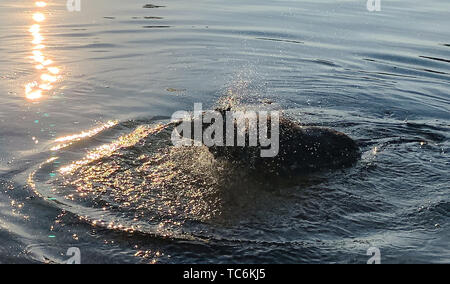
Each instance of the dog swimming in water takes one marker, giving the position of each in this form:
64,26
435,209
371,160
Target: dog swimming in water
296,149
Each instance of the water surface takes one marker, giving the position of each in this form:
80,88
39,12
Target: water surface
85,156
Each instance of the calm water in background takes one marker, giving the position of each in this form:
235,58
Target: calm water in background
119,70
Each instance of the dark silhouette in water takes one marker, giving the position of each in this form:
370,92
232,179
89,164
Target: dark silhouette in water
302,149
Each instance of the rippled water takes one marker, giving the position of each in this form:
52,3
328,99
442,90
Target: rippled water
85,155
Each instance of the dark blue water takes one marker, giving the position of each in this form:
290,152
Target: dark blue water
86,160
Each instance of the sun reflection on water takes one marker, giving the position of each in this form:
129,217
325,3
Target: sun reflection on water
70,139
41,4
106,149
50,73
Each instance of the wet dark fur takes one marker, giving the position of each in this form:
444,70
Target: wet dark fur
302,149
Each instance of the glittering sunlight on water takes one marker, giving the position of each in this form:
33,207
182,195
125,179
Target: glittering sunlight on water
48,72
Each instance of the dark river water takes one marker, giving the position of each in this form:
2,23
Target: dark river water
85,155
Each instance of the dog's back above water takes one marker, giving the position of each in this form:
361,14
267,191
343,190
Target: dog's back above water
299,149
